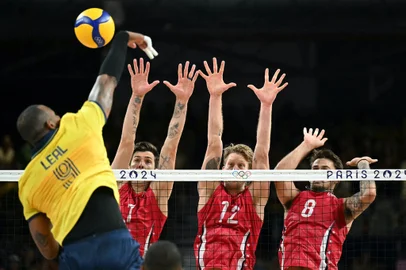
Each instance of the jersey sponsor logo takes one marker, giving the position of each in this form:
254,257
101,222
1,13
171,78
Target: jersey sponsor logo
66,172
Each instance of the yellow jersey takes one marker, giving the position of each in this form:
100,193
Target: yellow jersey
70,164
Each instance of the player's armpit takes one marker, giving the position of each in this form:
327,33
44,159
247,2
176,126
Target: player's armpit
286,192
206,188
40,229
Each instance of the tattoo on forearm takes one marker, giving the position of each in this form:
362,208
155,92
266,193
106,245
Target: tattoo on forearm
41,239
137,102
173,130
355,204
163,162
213,163
179,107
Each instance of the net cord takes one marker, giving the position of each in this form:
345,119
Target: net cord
241,175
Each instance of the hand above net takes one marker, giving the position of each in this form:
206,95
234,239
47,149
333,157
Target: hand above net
267,94
144,42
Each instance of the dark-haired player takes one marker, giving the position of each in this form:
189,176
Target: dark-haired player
316,221
144,205
163,255
68,190
230,214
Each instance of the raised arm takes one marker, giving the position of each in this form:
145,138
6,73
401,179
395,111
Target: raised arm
112,68
267,95
359,202
216,87
167,160
140,87
287,191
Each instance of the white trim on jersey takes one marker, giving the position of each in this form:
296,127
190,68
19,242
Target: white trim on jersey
202,247
283,253
323,247
148,240
240,263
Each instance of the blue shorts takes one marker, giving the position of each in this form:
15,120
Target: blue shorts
115,250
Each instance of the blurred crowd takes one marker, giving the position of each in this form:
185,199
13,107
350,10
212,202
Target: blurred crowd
376,240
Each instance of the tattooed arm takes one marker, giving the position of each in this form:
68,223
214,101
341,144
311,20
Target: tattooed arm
167,160
214,148
112,68
216,87
40,229
140,87
359,202
126,146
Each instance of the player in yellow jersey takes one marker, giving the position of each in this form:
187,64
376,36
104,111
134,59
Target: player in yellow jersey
68,190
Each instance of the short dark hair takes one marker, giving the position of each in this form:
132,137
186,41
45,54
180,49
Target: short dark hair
31,123
327,154
163,255
147,147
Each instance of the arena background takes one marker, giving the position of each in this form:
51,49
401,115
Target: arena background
345,67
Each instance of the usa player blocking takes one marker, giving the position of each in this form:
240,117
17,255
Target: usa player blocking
230,214
144,205
317,222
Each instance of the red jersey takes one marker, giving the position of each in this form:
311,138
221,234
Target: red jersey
314,232
228,232
142,215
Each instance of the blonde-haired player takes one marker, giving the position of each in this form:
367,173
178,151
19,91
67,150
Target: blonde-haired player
230,214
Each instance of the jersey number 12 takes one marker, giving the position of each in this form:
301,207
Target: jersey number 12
234,211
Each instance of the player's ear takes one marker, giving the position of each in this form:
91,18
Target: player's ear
51,124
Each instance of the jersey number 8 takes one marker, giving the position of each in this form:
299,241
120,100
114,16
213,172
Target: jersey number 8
308,208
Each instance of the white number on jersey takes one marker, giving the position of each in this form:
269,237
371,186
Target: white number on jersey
308,208
234,210
131,206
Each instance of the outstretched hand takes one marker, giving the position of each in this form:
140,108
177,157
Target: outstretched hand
214,78
186,82
267,94
354,162
314,139
139,78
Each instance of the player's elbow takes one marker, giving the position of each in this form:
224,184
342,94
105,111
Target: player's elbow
370,196
51,252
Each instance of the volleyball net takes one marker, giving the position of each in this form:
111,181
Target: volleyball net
239,175
377,239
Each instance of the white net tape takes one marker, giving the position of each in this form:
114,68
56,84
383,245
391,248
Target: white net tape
246,175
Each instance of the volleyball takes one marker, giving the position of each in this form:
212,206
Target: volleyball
94,28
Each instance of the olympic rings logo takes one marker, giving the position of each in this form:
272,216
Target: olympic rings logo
241,174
